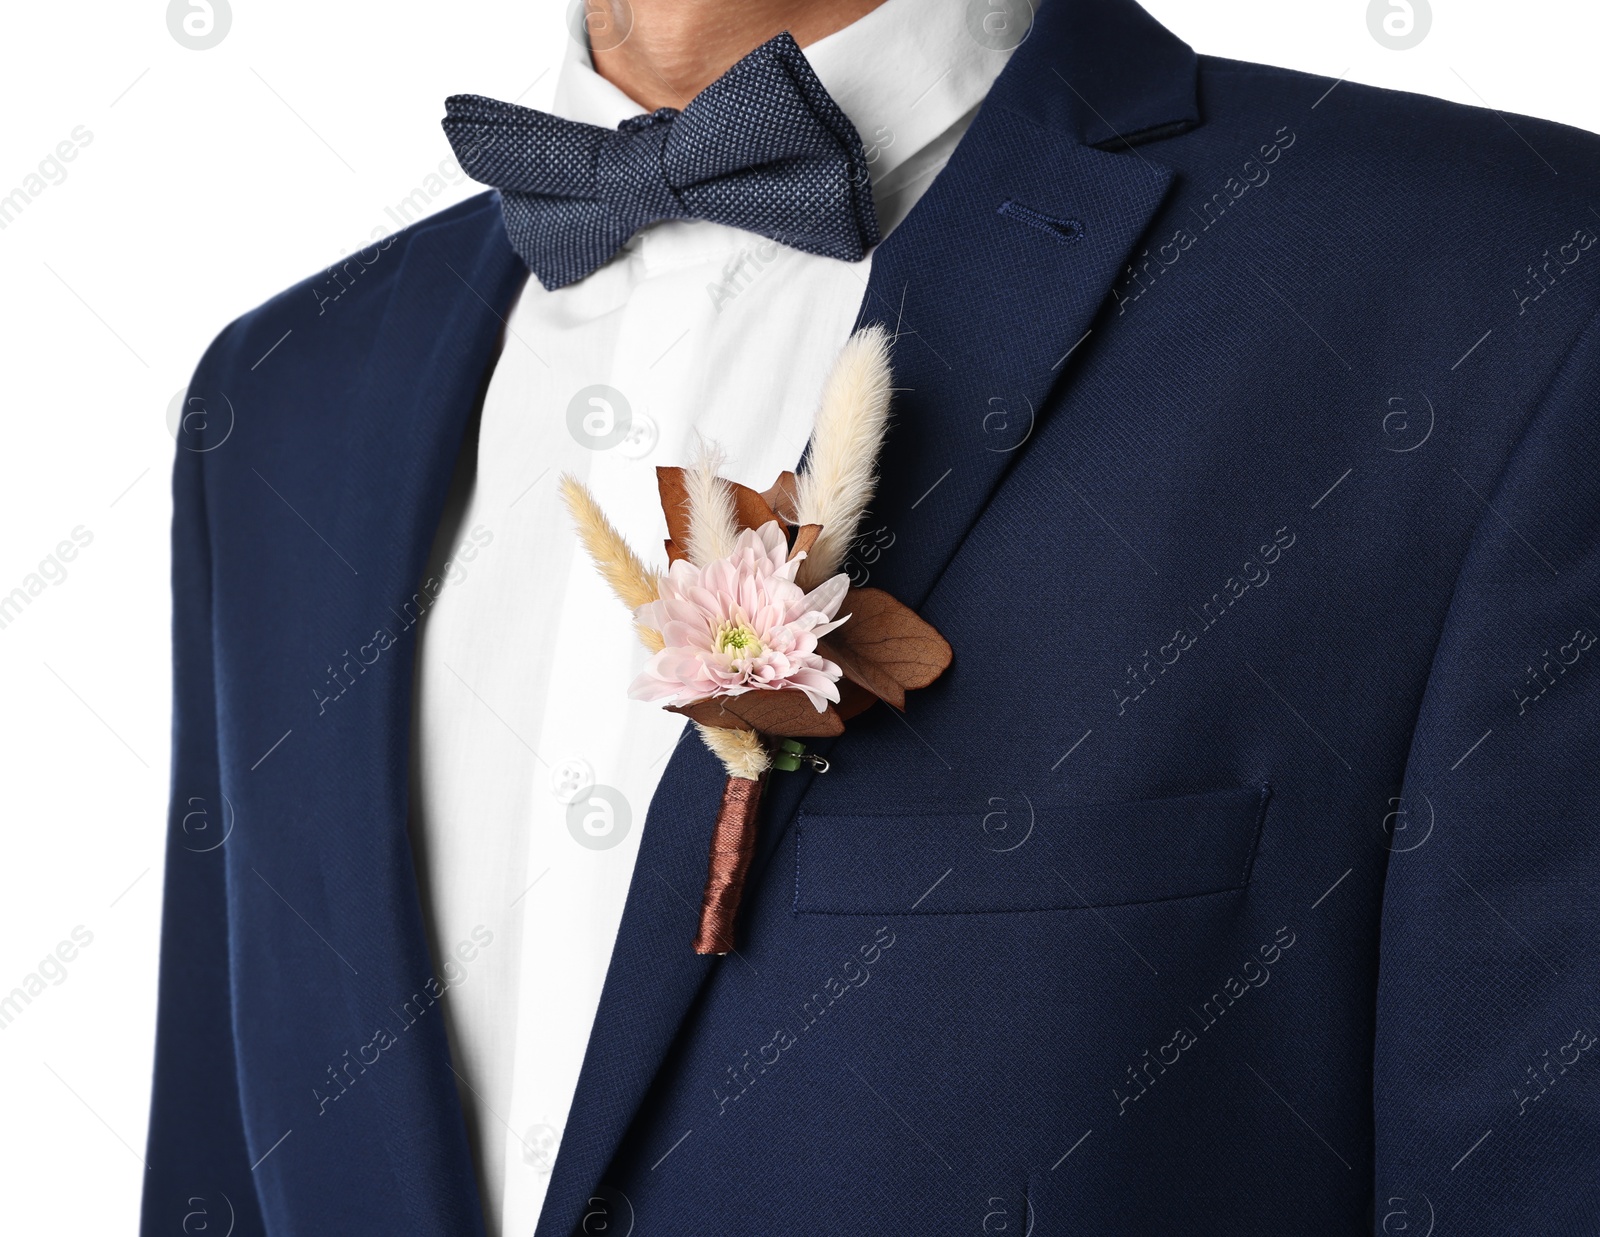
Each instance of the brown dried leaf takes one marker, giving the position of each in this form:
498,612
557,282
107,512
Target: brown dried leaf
711,713
804,538
864,673
853,699
750,509
886,647
787,713
781,497
675,506
673,553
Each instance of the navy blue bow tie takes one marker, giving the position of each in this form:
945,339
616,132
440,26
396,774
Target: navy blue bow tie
763,148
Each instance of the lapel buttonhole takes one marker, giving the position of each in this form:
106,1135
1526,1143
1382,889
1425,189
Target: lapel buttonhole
1064,230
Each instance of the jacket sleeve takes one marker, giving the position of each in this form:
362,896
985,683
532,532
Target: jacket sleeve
199,1167
1487,1055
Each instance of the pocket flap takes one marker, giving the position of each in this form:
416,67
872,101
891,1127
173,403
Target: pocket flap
1055,856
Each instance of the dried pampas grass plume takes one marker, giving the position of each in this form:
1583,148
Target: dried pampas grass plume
633,583
741,751
712,527
842,469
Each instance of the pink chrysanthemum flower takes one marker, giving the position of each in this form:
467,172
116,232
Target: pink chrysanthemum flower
741,624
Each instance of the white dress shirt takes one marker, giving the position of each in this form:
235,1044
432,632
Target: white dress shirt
532,771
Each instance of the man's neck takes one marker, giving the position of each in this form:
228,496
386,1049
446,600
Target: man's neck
662,53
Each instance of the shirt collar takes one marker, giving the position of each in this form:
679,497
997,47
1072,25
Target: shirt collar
940,74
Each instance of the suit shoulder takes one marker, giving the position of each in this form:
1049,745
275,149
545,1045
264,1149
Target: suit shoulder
1376,139
344,300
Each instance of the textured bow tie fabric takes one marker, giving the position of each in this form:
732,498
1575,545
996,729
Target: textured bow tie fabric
763,148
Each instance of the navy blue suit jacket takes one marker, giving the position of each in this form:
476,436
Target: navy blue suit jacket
1240,875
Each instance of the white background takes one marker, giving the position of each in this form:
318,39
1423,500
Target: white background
213,179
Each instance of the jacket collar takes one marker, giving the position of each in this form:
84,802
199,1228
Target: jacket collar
1102,71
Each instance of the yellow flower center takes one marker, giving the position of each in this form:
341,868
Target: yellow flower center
738,640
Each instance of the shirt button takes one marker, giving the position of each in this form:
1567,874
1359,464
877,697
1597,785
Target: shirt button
570,778
641,437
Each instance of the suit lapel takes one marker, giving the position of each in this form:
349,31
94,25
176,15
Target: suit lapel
986,307
983,335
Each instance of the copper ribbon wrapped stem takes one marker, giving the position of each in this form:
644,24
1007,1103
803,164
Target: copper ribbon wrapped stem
733,845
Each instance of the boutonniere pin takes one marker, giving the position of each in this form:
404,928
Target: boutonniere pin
755,634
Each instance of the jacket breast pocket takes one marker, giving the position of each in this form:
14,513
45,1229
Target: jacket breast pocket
1027,855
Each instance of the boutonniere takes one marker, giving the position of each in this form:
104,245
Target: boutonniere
755,634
